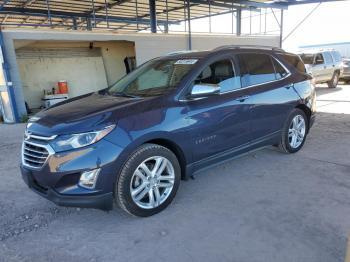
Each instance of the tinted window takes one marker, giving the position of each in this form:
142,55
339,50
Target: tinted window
296,62
256,69
220,73
319,59
280,71
328,58
336,56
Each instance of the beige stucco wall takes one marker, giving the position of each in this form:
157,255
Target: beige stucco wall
151,46
147,45
84,74
113,54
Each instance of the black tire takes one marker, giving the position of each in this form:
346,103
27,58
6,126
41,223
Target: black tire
122,189
284,144
334,81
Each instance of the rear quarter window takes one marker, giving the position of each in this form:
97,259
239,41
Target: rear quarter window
280,71
294,61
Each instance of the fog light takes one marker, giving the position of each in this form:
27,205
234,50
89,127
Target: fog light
88,178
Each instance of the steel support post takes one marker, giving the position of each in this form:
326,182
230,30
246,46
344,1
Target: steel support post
281,28
238,21
189,25
153,16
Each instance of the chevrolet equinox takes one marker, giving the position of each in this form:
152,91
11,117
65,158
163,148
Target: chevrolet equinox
131,143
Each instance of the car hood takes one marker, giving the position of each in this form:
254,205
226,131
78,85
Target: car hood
85,113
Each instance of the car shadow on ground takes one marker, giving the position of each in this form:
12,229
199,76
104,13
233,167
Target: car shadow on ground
324,90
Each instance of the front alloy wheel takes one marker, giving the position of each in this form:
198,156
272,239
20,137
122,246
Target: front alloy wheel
152,182
148,180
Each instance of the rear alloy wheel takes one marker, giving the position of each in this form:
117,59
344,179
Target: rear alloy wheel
294,132
334,81
148,181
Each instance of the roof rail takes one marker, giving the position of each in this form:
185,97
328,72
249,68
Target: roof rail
248,46
316,50
179,52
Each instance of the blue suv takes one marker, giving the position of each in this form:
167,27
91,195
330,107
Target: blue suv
132,143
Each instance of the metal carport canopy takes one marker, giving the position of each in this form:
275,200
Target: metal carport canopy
123,15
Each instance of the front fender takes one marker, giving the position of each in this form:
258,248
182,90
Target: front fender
130,143
163,123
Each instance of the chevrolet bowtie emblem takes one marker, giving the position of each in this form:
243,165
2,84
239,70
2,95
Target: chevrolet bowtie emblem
27,135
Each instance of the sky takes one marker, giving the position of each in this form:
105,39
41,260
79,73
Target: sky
329,23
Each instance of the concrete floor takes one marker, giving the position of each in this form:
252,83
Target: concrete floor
265,206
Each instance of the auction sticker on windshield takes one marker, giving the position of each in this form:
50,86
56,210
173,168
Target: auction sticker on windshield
186,62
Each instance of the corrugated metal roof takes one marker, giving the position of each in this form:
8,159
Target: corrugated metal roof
124,15
120,15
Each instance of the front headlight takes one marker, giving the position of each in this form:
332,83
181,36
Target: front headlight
68,142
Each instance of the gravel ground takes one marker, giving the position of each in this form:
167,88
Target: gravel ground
264,206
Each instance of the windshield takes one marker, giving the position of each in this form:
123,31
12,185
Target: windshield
308,59
153,78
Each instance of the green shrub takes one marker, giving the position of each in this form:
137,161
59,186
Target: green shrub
24,118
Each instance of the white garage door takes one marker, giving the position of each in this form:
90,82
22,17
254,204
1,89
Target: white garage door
40,70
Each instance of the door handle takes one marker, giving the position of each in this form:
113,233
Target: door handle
242,98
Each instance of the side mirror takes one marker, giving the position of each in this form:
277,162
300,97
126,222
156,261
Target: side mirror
203,90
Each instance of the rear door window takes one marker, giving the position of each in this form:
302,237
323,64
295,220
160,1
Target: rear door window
336,55
220,73
256,69
328,58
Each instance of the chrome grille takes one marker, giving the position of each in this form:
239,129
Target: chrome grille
34,155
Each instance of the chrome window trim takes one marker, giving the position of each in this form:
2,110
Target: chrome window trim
48,148
250,86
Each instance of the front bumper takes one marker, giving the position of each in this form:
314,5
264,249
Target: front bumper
58,179
99,201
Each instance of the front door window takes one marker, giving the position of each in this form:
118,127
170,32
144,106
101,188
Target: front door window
220,73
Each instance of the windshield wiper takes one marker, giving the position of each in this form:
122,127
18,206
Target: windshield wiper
123,94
